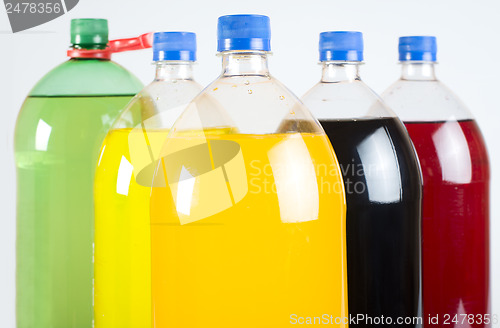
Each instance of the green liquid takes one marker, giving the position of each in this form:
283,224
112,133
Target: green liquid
57,145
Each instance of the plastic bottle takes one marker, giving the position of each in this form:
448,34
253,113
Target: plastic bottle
247,222
123,185
381,179
58,134
454,161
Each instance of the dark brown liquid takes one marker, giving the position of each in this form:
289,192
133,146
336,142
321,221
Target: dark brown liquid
383,194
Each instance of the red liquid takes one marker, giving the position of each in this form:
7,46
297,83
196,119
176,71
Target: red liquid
455,222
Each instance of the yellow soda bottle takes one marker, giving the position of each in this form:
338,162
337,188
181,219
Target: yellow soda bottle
248,208
122,274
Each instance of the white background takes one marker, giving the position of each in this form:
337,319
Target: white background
468,42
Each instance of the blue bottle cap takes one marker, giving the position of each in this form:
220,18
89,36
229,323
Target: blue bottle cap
244,32
341,46
174,46
417,48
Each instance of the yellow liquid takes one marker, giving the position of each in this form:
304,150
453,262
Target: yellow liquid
248,231
122,261
122,251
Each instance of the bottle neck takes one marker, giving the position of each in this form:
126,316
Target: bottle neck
89,46
174,70
89,52
418,71
244,63
334,72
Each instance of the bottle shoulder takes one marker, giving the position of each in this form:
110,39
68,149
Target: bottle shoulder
158,105
345,100
425,101
265,85
173,90
89,77
256,104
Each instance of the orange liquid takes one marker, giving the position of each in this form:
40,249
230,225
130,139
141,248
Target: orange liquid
247,231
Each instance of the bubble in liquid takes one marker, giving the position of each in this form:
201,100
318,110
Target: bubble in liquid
282,97
247,82
250,91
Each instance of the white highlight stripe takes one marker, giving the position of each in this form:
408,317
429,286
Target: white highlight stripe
124,176
64,6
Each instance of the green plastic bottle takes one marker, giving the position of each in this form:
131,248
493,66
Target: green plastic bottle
59,132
